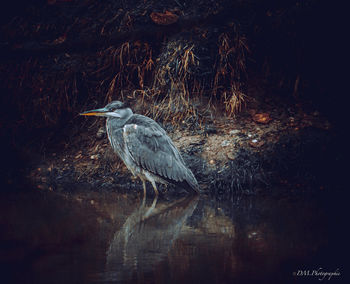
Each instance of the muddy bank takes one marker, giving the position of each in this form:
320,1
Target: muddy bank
271,144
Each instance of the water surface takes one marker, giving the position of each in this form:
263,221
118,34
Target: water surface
92,237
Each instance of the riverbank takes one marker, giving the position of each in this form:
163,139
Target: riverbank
271,142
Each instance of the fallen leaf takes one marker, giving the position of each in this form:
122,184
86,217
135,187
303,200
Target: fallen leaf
262,118
164,19
60,39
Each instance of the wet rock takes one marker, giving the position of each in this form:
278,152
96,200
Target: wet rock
210,130
231,155
234,132
225,143
101,133
94,157
256,143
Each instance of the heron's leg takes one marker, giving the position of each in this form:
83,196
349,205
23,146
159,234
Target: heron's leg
144,192
155,187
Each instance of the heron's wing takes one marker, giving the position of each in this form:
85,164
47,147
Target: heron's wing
151,149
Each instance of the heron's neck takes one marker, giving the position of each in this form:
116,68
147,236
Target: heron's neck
121,121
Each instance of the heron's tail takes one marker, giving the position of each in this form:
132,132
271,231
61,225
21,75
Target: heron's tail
192,182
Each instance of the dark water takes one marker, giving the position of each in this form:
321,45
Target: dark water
114,238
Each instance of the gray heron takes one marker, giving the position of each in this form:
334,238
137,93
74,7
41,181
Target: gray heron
145,148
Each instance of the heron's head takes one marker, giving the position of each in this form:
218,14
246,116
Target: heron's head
113,109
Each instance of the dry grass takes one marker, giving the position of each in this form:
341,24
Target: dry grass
172,83
176,82
230,73
132,65
166,84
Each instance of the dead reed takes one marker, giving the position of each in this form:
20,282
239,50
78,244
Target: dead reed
164,80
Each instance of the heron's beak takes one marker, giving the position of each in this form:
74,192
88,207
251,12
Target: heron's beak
95,112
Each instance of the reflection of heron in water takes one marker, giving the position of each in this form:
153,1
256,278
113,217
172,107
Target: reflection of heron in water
146,237
145,148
